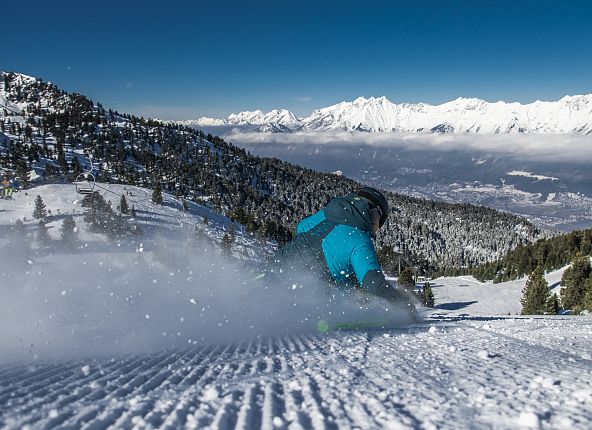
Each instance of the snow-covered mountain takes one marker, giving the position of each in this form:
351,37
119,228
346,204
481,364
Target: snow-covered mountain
277,120
571,114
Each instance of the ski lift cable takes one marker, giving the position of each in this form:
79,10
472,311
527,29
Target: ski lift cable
135,202
149,208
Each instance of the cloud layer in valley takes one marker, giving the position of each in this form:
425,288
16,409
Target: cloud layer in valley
533,147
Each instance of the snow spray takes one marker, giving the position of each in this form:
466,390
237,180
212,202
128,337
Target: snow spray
123,297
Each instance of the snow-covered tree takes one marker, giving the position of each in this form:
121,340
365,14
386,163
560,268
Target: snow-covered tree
229,237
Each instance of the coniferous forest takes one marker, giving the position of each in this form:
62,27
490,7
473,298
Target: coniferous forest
548,253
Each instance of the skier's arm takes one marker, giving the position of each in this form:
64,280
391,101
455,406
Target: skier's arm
368,272
309,222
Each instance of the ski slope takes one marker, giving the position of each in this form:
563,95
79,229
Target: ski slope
443,374
464,295
163,331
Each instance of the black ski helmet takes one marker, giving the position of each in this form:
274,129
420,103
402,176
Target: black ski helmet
376,198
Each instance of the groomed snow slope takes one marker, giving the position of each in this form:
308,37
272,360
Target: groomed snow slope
466,373
144,335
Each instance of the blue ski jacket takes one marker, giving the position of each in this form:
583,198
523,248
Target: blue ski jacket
336,242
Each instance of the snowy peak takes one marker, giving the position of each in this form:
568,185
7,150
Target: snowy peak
570,114
281,117
277,120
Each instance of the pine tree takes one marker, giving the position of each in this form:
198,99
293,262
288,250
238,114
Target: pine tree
123,207
572,283
68,230
157,195
428,296
62,162
535,294
76,168
18,227
586,246
587,302
23,172
229,237
206,221
227,241
407,279
262,234
40,211
553,304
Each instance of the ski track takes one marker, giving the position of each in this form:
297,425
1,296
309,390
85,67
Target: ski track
443,373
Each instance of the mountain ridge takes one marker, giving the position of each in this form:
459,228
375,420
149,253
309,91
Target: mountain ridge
570,114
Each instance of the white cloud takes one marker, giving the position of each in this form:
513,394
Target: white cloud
541,147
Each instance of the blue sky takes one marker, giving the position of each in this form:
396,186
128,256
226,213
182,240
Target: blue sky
184,59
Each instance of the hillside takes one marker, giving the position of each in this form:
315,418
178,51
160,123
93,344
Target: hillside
152,220
57,135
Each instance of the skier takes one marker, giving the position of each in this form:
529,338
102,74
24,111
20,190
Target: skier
6,188
336,243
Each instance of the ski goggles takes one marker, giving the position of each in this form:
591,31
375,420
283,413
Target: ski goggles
375,214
